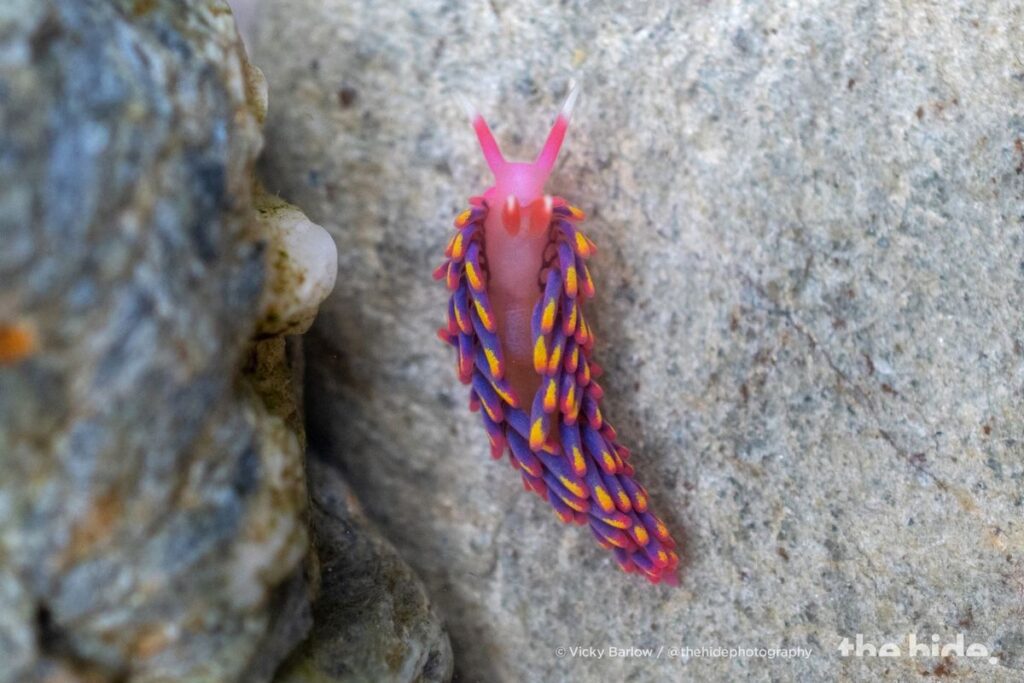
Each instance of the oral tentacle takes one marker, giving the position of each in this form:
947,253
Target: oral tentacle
540,212
510,215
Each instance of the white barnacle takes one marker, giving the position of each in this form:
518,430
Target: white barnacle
302,265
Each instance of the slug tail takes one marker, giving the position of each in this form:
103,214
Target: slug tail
564,448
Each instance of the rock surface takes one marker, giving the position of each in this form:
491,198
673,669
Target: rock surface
303,264
372,619
809,309
151,501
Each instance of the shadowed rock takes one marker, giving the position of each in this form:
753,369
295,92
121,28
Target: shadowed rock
372,620
150,504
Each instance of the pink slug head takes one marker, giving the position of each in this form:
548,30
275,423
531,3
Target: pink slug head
521,184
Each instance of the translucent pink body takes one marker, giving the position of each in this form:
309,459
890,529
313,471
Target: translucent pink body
515,246
514,262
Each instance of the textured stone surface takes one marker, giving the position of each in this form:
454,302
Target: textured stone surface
150,500
372,619
809,297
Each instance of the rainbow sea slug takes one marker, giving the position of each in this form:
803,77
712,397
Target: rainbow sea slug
516,267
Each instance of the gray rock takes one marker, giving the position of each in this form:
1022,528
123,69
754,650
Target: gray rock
274,371
291,618
149,503
809,309
17,624
372,619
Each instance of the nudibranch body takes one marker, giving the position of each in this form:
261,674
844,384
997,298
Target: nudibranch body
516,269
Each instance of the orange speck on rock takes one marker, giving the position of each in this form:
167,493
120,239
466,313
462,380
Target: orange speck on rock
142,7
95,526
17,342
151,641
